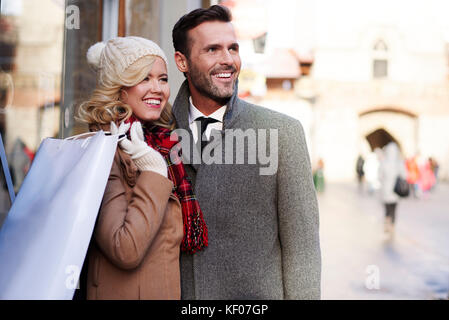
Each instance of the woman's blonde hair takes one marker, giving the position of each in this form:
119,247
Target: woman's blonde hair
105,105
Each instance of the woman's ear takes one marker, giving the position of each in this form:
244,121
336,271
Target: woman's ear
181,62
123,95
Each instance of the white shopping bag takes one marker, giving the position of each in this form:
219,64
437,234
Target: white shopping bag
45,237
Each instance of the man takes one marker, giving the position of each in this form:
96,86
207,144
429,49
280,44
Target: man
263,227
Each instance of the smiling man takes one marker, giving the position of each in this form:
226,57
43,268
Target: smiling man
263,229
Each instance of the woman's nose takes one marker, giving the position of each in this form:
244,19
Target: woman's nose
155,86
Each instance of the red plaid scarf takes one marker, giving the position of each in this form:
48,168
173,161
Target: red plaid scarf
195,229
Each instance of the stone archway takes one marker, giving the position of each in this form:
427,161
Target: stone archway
401,124
380,138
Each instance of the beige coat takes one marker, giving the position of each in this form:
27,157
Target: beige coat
135,249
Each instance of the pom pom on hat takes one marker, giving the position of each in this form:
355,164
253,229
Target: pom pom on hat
94,54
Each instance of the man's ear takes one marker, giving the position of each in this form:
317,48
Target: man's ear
181,62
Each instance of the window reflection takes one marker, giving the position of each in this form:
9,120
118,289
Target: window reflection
31,43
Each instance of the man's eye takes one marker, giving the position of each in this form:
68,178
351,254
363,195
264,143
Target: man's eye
211,50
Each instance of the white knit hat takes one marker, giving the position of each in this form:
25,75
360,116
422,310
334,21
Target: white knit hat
117,54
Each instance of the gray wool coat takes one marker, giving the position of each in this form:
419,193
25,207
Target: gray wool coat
263,228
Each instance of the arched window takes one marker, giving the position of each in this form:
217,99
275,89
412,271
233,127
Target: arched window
259,43
380,45
380,59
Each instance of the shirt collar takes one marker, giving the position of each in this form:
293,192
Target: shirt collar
194,113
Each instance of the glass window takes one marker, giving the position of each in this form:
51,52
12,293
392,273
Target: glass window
380,59
143,19
78,77
380,45
31,43
259,43
380,68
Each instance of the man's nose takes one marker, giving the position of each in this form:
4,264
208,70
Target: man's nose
226,58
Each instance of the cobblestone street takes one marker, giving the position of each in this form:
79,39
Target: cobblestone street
359,262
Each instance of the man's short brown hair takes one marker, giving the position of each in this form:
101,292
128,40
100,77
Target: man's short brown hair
194,19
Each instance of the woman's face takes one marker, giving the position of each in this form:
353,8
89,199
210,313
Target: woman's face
148,98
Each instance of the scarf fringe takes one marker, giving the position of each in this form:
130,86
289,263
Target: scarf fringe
195,237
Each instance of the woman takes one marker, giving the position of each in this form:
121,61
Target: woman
391,166
148,212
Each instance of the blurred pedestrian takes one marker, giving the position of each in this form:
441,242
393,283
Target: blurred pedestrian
426,177
413,175
359,169
391,166
434,166
371,169
318,176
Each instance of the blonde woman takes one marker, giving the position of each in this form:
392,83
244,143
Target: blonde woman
149,211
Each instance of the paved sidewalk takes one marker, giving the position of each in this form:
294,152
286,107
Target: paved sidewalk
359,262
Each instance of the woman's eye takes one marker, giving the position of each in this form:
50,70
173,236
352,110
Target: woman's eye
146,79
164,79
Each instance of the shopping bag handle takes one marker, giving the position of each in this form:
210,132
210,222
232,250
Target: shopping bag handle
10,83
6,172
81,135
86,136
89,134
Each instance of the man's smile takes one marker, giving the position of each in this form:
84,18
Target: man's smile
224,76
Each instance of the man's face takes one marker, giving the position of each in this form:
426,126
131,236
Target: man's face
214,60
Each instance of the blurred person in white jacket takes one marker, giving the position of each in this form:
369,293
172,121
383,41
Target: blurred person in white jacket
371,168
391,166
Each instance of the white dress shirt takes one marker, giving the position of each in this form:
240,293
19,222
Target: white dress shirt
194,114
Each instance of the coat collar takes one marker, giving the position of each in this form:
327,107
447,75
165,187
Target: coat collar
181,113
181,108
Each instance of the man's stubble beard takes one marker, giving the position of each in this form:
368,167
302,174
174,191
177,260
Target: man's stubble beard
203,83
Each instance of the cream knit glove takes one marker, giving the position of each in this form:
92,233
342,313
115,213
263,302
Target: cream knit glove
120,131
145,157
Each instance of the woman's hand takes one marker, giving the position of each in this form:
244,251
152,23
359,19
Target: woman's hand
145,157
121,130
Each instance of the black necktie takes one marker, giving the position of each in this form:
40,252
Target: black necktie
204,123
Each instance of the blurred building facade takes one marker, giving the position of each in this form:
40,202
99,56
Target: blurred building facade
364,65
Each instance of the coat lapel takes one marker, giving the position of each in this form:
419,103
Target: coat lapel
181,113
232,110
